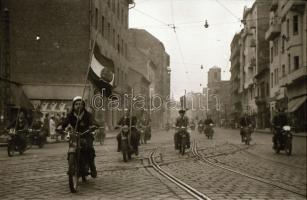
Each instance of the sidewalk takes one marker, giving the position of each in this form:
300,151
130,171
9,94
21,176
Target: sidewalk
268,131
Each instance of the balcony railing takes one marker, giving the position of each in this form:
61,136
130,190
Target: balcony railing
273,31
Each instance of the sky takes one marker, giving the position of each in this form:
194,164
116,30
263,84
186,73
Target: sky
190,44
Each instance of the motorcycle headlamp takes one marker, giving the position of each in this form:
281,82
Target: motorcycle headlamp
286,128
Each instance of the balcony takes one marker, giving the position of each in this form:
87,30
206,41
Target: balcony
297,75
274,5
273,31
293,5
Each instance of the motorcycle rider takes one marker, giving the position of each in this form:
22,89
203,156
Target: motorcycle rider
244,122
135,135
145,122
182,120
21,125
280,119
208,121
81,120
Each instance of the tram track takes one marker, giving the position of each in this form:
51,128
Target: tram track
207,160
192,191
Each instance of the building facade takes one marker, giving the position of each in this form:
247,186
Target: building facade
53,45
254,63
147,55
236,102
287,35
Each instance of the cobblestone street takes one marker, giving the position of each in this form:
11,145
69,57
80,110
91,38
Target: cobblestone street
41,173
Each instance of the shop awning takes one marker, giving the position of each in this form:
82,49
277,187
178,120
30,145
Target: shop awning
101,72
294,104
19,99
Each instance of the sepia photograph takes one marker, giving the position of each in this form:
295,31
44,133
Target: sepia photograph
153,99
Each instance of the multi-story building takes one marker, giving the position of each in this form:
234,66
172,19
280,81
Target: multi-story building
288,58
218,96
53,45
236,104
147,55
254,62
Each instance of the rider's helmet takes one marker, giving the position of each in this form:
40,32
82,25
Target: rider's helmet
77,98
181,111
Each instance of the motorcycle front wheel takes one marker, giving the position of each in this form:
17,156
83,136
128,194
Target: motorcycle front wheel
182,146
288,148
73,171
10,149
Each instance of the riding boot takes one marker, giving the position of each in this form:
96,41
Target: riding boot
93,169
118,142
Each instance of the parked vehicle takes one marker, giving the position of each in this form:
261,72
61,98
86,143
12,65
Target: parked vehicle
78,165
17,141
284,140
37,137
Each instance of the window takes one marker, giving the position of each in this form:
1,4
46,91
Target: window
122,16
118,10
283,70
122,46
271,79
295,25
296,62
109,3
289,63
277,75
96,18
275,45
113,38
118,44
267,89
102,26
271,54
288,35
109,32
282,45
215,76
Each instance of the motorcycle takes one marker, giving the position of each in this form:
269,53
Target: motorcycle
192,126
246,134
17,141
182,140
144,134
284,141
37,137
78,165
129,142
100,135
209,131
200,128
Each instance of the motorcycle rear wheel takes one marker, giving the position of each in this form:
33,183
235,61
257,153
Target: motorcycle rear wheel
10,149
288,148
73,173
182,146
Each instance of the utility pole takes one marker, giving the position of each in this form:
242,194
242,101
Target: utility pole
5,65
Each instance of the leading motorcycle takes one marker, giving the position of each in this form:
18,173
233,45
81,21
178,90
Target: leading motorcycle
78,164
284,140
